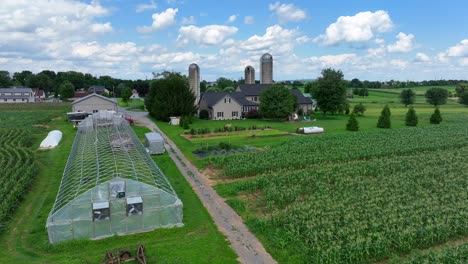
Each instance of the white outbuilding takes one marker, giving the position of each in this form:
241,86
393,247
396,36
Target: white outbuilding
154,143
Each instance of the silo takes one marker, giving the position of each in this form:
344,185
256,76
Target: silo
266,69
249,75
194,81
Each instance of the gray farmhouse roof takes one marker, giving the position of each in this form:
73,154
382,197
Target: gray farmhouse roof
301,99
212,98
97,88
91,95
16,90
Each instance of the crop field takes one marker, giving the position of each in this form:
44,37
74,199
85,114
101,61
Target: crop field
18,168
355,198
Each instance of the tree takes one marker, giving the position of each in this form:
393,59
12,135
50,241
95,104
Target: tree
308,87
352,124
436,118
436,96
407,97
330,92
170,95
411,117
41,81
20,78
461,89
463,98
203,86
355,83
297,84
359,109
126,93
5,79
277,102
384,119
224,82
66,90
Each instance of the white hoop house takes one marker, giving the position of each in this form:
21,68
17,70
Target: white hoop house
110,186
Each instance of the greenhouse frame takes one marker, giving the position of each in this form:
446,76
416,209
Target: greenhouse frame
110,185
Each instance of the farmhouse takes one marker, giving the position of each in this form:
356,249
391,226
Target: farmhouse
16,95
111,186
99,89
235,105
94,103
39,95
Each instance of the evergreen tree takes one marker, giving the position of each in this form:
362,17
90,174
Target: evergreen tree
411,117
352,124
436,118
384,119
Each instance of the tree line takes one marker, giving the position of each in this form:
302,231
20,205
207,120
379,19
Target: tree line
52,82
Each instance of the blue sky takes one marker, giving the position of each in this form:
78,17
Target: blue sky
373,40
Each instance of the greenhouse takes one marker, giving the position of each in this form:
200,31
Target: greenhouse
110,185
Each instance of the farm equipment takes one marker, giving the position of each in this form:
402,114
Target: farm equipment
123,255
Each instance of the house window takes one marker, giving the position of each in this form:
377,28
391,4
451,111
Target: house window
255,98
14,100
22,100
235,114
95,111
225,100
220,114
5,100
229,100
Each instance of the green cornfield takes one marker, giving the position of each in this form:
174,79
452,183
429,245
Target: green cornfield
17,168
355,198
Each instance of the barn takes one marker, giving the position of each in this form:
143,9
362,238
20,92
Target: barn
111,186
94,103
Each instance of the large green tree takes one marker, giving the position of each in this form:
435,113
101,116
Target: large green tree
126,93
5,79
461,89
330,91
224,82
463,98
277,102
170,95
66,90
19,78
436,96
407,97
41,81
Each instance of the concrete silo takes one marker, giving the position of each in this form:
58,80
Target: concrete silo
194,81
266,69
249,75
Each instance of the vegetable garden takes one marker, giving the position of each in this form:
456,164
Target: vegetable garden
354,198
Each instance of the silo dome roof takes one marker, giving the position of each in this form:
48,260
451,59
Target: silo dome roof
267,56
193,66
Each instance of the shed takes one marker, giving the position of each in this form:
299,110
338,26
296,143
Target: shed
111,186
154,143
175,120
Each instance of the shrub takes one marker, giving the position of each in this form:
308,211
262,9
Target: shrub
352,124
359,109
463,99
411,117
300,111
252,114
436,118
192,131
384,119
203,114
185,121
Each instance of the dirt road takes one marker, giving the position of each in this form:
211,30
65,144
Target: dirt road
247,246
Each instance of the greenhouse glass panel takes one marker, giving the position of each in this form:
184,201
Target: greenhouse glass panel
110,185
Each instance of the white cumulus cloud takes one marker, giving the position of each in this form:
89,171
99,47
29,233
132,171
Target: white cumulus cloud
160,21
208,35
421,57
403,44
102,28
188,20
143,7
287,12
232,19
358,28
459,50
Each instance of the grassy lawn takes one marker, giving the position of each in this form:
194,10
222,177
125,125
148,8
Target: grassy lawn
25,239
133,104
419,90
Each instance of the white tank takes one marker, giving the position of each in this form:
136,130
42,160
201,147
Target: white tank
52,140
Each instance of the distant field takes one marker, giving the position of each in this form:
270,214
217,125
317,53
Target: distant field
133,104
353,198
419,90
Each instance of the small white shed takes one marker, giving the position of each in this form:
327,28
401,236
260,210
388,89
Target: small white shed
154,143
175,120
